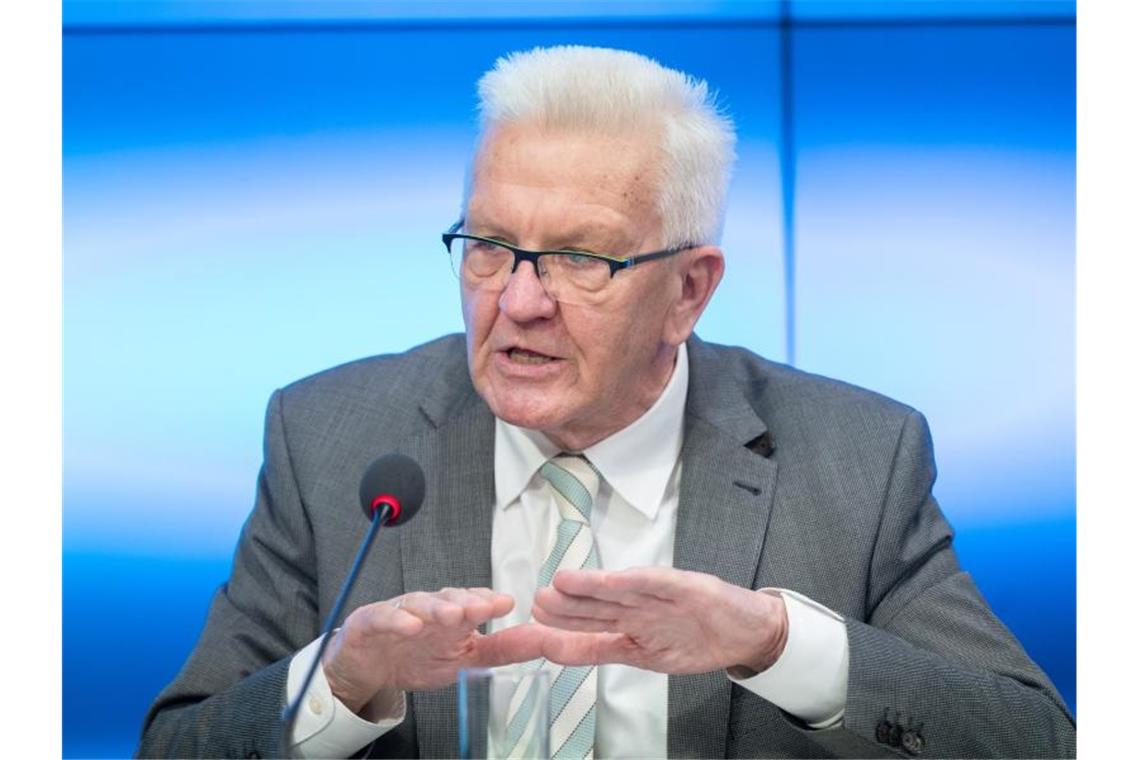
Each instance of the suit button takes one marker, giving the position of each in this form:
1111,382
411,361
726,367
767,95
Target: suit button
883,732
913,742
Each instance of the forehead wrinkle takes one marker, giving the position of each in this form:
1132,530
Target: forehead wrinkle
558,188
631,167
518,216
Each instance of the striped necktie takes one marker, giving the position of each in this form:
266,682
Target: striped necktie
573,690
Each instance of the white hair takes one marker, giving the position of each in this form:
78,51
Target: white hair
616,91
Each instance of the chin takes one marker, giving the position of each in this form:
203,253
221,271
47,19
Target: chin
527,404
524,413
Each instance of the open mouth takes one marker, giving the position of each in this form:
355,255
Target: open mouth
525,356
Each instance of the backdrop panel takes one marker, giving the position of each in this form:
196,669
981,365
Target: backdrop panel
244,208
248,201
935,241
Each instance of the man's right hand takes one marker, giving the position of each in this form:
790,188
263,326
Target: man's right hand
417,641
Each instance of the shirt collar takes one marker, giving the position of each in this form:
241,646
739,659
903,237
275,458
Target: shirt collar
637,461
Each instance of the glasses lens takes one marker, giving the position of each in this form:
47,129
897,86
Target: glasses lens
575,277
480,262
455,254
569,277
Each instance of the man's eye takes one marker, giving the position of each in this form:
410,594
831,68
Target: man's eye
482,245
579,259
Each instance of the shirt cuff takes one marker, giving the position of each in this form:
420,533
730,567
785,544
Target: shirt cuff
809,680
325,727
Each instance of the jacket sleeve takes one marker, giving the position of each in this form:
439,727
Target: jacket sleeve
933,672
227,699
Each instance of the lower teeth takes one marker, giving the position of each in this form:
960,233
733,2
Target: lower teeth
529,358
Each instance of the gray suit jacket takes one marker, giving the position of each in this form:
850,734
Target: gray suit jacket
790,480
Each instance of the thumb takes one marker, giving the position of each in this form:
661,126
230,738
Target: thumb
519,643
564,647
578,648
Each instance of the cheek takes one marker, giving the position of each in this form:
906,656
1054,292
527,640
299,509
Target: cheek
632,337
478,316
606,346
477,321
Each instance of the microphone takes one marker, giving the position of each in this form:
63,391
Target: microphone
394,486
391,493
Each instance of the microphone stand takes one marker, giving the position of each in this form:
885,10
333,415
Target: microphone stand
289,714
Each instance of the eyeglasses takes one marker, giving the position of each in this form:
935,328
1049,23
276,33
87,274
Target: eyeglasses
569,276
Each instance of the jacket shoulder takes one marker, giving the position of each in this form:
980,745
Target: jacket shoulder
385,391
810,412
777,385
441,354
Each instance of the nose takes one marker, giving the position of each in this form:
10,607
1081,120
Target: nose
525,298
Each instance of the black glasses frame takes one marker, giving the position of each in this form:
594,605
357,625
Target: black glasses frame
522,254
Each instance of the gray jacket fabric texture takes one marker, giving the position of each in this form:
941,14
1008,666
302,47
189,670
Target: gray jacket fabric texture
789,480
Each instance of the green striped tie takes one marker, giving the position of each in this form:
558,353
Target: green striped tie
573,690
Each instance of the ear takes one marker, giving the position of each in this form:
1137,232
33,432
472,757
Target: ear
700,271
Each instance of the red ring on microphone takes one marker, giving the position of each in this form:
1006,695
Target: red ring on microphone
393,505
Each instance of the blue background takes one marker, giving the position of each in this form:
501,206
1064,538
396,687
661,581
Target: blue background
253,192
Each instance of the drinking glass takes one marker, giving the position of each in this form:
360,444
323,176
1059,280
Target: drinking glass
504,712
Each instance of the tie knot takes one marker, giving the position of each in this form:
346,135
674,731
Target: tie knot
576,481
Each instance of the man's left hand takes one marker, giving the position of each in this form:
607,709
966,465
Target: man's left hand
657,618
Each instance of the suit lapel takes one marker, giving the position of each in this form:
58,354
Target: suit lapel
451,545
451,541
725,499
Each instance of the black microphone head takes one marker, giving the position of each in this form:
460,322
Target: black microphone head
394,480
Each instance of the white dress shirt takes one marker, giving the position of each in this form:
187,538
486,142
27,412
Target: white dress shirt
634,521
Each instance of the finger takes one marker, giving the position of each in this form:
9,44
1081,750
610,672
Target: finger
447,613
382,618
610,586
669,582
520,643
530,641
481,592
556,602
501,604
664,583
484,592
476,607
432,609
413,603
575,648
568,623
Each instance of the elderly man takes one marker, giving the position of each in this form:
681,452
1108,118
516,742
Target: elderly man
716,555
